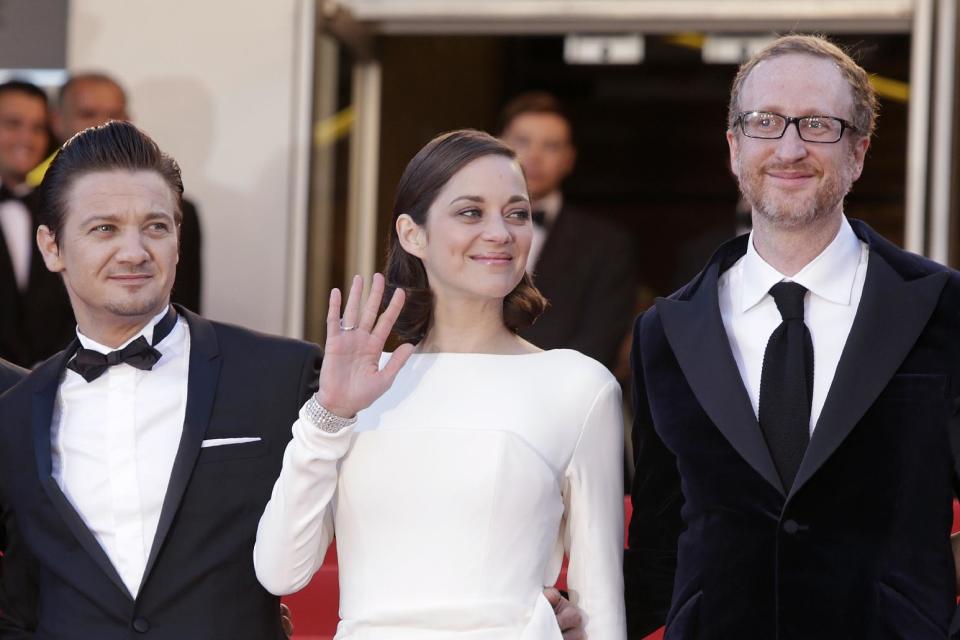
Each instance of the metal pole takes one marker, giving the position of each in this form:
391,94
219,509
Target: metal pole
364,166
918,126
299,184
942,164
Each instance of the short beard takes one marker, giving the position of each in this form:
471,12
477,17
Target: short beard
135,309
795,213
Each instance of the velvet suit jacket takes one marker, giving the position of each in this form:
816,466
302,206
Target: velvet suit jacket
38,322
10,374
58,583
587,272
858,548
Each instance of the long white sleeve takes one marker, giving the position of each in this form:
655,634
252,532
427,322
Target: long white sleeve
593,519
297,526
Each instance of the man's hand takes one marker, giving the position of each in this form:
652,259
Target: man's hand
569,617
286,620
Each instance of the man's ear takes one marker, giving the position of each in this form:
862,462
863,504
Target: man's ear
733,145
47,243
859,149
413,237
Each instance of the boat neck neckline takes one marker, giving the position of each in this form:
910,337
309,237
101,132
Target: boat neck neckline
480,353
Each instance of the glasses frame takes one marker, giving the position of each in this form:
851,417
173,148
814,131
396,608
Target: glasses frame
795,121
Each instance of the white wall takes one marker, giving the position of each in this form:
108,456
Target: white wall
220,85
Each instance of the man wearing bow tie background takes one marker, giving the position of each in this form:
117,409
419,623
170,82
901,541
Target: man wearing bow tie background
135,464
35,316
584,264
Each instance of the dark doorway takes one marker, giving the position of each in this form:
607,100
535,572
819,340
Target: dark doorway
650,137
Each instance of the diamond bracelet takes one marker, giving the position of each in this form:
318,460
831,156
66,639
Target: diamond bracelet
324,419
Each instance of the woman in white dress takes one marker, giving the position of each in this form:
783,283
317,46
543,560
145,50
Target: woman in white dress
475,460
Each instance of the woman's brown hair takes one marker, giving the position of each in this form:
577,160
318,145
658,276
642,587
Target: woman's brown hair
422,181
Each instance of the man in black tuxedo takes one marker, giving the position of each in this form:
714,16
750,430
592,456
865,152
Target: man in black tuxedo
583,264
796,434
91,99
135,464
35,316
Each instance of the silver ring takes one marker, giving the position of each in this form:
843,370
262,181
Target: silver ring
343,328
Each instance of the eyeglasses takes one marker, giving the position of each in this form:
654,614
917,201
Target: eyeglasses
771,126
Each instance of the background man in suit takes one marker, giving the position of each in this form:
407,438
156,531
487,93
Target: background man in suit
583,264
796,429
91,99
35,316
135,464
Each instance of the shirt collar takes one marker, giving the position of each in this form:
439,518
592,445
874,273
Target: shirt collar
550,204
146,332
830,275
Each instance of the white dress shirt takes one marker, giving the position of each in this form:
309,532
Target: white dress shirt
550,204
113,442
16,223
835,282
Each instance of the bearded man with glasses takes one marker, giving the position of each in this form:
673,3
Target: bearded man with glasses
796,434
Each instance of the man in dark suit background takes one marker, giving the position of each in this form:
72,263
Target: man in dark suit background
135,464
796,435
35,316
583,264
91,99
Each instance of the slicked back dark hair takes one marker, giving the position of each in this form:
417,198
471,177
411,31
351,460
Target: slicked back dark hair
110,147
423,179
21,86
532,102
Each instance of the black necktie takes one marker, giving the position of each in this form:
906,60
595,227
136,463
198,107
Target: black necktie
140,354
786,383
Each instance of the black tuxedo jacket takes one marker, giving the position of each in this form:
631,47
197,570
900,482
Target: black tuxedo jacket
199,583
858,548
38,322
587,272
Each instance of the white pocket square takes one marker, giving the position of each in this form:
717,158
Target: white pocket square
219,442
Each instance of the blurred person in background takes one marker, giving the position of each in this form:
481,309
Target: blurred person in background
582,263
35,316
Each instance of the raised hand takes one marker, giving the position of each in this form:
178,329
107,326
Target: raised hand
350,377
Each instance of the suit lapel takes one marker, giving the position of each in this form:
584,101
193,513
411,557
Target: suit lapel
546,271
694,329
202,383
892,313
44,397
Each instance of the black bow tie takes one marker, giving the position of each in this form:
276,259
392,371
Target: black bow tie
539,218
7,194
140,354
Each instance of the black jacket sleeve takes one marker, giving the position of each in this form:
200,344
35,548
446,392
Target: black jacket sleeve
18,583
650,560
